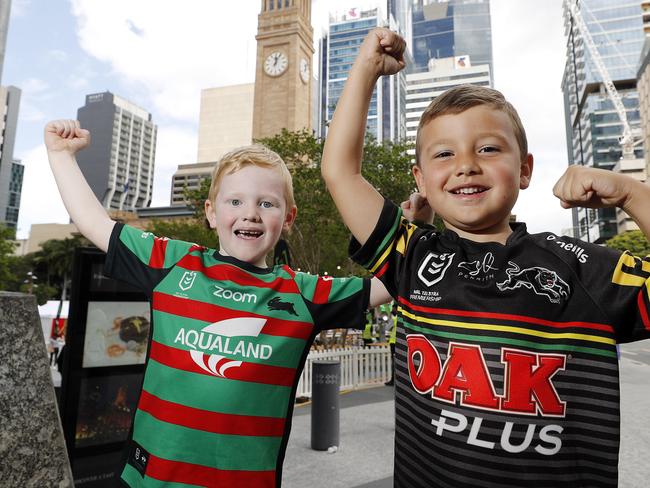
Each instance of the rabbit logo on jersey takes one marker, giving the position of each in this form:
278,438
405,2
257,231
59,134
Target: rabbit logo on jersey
220,337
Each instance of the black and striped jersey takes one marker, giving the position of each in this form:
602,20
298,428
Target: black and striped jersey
506,361
229,342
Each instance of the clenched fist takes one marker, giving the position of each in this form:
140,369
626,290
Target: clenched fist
65,136
580,186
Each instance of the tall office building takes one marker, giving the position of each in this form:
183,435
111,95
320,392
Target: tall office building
593,126
450,28
443,74
347,30
10,170
119,164
5,8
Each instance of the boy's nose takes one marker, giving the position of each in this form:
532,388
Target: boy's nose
466,165
250,214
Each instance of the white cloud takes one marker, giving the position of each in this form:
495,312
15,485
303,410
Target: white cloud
40,201
170,52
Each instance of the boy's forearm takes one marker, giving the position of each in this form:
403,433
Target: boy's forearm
85,210
357,201
345,138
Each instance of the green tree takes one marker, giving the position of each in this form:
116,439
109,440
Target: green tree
7,248
55,258
632,240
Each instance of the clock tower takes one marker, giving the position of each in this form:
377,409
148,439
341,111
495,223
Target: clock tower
283,73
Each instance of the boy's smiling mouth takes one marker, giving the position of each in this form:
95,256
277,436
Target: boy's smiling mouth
248,233
468,190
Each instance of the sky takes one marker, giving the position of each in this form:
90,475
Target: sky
160,54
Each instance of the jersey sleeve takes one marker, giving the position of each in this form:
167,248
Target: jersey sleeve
620,284
384,254
140,258
630,299
335,303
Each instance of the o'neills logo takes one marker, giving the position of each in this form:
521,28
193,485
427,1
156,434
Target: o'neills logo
219,338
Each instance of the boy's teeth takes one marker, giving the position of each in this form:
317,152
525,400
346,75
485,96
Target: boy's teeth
468,191
248,233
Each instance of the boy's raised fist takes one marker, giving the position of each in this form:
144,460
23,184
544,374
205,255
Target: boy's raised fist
65,136
385,50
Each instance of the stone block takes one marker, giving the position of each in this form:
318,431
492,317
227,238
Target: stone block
32,446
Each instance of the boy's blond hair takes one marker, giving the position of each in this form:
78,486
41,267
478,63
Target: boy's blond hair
464,97
253,155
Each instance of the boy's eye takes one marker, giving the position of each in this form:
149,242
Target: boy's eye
266,204
485,149
235,202
444,154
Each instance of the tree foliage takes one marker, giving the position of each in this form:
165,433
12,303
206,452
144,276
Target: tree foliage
7,247
318,241
633,241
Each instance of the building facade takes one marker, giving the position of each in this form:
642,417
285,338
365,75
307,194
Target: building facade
119,165
5,9
347,30
225,121
11,171
283,77
443,74
451,28
593,126
188,176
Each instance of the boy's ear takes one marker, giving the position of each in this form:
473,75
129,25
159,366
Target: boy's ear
419,180
526,172
290,218
210,214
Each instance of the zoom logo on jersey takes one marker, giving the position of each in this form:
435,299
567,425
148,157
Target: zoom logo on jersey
187,280
219,337
433,267
236,296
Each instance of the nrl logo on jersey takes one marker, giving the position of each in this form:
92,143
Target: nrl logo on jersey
187,280
220,337
434,266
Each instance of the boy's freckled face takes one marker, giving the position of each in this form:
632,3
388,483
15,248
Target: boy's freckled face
471,170
249,213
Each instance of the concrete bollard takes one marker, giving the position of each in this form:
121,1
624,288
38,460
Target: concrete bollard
326,379
32,447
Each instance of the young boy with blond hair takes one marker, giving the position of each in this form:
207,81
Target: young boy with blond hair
230,335
506,366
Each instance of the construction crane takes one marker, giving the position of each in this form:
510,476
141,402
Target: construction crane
630,137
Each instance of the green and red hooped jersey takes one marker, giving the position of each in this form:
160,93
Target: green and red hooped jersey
506,364
228,345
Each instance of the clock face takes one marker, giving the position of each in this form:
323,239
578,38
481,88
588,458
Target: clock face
276,63
304,70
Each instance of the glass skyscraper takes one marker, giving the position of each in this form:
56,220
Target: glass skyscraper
347,30
444,29
593,126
